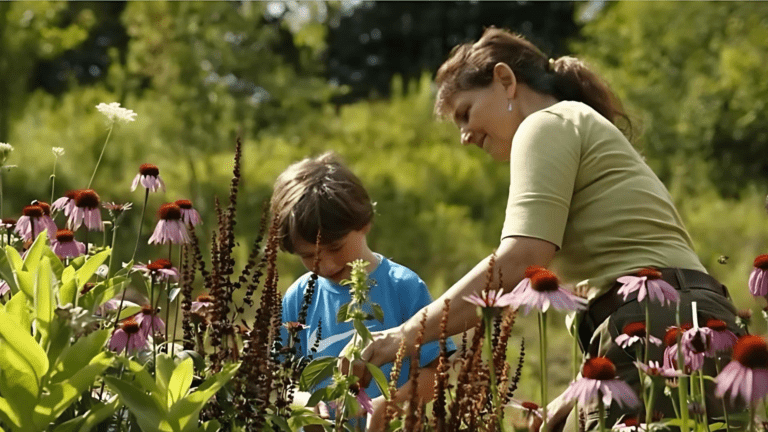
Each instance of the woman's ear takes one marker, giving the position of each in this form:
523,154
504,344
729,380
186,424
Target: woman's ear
504,75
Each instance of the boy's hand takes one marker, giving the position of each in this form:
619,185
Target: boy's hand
377,420
382,349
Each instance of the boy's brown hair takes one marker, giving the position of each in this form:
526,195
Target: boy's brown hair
319,195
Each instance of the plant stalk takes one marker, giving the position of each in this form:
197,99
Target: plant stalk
543,361
98,162
141,224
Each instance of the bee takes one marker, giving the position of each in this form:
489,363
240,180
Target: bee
723,259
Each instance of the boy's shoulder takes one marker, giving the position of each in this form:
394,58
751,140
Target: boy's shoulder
399,273
296,290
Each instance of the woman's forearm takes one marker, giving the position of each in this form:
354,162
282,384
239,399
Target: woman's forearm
514,255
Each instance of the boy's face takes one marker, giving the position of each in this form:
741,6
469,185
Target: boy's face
335,256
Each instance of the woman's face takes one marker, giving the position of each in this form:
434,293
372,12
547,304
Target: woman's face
484,119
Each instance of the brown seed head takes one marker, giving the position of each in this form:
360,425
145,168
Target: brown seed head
635,329
159,264
46,207
544,280
717,325
650,273
751,351
530,406
32,211
598,368
532,270
149,170
130,325
169,211
204,298
9,221
64,236
87,198
147,310
185,204
670,338
761,262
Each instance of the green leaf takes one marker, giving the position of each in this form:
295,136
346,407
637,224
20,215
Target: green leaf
56,265
84,273
60,396
315,372
180,381
18,309
211,426
379,378
34,253
26,282
102,292
341,315
14,259
21,358
163,372
378,313
302,416
8,414
280,421
318,396
123,272
68,288
7,267
147,411
187,410
363,331
44,302
78,355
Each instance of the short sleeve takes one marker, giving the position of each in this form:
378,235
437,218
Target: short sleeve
544,162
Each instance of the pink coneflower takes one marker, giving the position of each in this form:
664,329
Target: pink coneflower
648,282
204,302
698,340
66,203
65,245
31,220
758,282
635,332
746,376
128,337
170,228
529,408
693,361
48,222
362,398
629,424
599,381
189,215
147,318
86,211
654,369
161,268
543,289
490,298
149,177
722,338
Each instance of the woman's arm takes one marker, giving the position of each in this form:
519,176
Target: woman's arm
513,256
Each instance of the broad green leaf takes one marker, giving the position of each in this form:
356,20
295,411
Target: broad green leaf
316,371
84,273
180,381
302,416
379,378
18,309
363,331
58,342
280,421
78,355
140,373
163,372
70,425
319,395
211,426
21,402
7,268
44,302
341,315
147,411
14,259
20,353
56,265
187,410
34,253
378,313
98,413
26,282
102,292
8,414
123,272
62,395
68,288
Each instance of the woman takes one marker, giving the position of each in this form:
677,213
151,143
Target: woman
582,202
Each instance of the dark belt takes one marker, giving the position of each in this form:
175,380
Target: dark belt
608,303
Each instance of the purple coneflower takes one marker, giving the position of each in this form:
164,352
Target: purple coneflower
362,398
693,361
698,340
599,381
635,332
86,211
128,337
758,281
629,424
746,376
189,215
722,338
65,245
162,268
654,369
4,288
149,177
148,319
529,408
648,282
204,302
49,224
543,289
170,228
66,203
490,298
31,220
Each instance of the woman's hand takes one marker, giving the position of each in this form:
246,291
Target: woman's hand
382,349
377,419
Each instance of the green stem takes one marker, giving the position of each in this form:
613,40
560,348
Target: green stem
53,179
178,301
752,416
543,361
725,409
649,406
167,312
703,399
152,323
141,224
100,155
683,380
601,412
1,196
576,362
112,250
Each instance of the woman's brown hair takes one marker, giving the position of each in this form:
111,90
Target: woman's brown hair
567,78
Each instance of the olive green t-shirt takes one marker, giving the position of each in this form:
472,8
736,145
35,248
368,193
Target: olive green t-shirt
578,183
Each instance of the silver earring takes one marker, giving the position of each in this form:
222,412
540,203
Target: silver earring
509,107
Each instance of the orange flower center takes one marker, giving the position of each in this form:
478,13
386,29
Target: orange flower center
130,326
716,324
64,236
532,270
530,405
649,273
544,280
205,298
185,204
46,208
169,211
670,338
32,211
598,368
87,198
159,264
149,170
751,351
635,329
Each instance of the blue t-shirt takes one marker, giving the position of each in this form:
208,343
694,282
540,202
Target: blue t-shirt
398,290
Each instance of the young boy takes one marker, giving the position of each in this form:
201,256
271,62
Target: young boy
321,194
